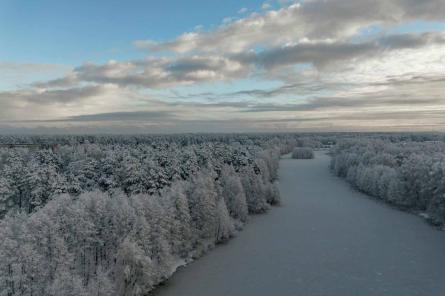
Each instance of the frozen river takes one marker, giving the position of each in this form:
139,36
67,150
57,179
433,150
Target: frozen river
326,239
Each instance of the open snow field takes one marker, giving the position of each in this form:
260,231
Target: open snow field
325,239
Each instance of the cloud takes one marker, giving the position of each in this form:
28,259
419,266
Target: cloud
433,120
410,40
154,72
323,53
68,81
335,103
417,93
185,70
41,103
207,68
309,20
46,104
266,6
119,116
328,71
62,96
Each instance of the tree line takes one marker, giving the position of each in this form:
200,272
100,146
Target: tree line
405,173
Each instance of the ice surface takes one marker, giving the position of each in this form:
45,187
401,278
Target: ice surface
326,239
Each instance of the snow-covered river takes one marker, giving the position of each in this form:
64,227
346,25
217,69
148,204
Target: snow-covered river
326,239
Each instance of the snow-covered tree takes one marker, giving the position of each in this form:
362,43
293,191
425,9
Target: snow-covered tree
233,193
68,284
202,197
302,153
225,228
180,232
134,270
255,190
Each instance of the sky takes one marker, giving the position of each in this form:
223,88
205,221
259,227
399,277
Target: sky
221,66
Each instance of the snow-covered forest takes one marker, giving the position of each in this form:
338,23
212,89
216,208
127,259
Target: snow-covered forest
406,171
116,215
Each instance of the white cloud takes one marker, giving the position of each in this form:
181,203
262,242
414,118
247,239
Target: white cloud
266,6
310,20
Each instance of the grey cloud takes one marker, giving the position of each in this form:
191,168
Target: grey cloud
334,103
163,72
322,54
121,116
302,87
41,103
412,80
328,18
66,95
398,115
160,72
433,10
121,73
64,82
190,65
52,96
316,54
288,89
410,40
235,105
370,117
360,121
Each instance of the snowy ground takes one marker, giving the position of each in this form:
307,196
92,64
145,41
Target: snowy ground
326,239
